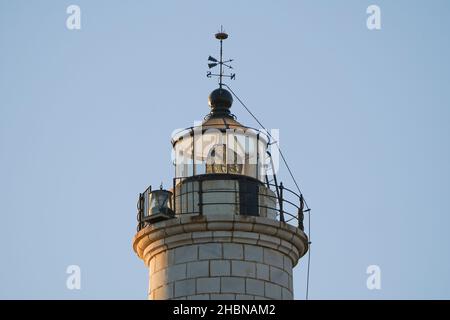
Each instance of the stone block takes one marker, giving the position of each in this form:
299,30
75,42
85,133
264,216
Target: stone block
221,226
232,285
243,269
193,227
286,294
197,269
202,235
290,284
210,251
186,254
208,285
178,239
273,258
160,260
254,287
269,241
246,235
233,251
151,266
272,291
221,217
285,234
222,235
242,226
199,297
279,276
163,293
170,255
222,296
262,271
244,297
264,229
287,264
176,272
158,278
253,253
220,267
184,287
173,229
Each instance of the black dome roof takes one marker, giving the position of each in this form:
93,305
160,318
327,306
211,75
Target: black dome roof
220,101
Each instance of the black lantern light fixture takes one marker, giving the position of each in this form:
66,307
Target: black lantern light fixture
156,205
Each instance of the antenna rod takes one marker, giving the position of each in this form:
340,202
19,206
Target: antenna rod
221,64
221,35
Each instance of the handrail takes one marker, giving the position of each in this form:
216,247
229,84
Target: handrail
283,210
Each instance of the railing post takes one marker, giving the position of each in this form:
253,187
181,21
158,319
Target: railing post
194,171
139,215
200,197
174,196
257,156
301,216
281,202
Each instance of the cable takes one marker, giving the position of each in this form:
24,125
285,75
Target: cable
309,254
293,179
276,142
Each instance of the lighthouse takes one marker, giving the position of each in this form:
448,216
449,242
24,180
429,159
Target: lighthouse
226,229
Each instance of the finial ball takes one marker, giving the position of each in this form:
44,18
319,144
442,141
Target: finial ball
220,99
221,35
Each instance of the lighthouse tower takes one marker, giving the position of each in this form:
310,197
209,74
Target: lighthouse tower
226,229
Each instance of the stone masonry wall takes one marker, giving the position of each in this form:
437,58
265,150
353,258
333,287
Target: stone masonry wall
220,271
221,257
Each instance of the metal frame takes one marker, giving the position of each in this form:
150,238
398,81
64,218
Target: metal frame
285,215
282,201
143,205
183,132
260,136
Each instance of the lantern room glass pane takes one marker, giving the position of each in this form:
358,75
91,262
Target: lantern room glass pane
183,157
220,152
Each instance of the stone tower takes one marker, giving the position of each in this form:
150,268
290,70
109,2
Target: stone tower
221,231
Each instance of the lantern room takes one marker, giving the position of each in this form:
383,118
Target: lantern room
220,165
220,145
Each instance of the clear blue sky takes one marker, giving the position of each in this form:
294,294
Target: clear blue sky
86,118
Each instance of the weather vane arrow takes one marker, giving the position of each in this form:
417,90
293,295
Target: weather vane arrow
213,62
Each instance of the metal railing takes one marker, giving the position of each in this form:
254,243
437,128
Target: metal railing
288,204
142,204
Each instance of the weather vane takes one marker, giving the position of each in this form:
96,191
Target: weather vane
214,62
